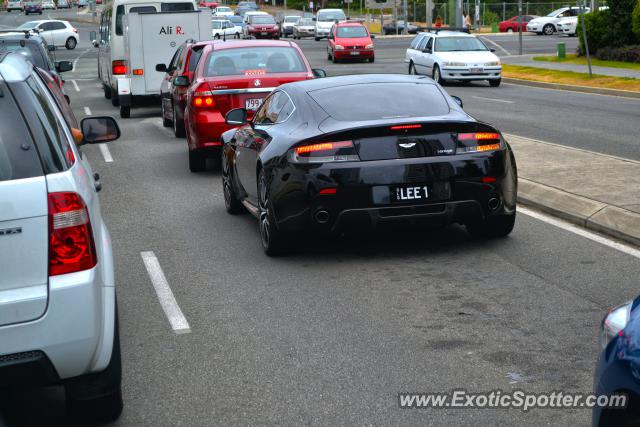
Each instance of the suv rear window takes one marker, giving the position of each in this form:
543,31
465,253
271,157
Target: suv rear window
376,101
14,45
18,156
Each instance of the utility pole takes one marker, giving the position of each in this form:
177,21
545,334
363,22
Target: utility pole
519,27
584,36
405,28
429,9
458,19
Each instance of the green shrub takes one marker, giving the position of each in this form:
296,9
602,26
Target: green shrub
635,20
490,17
599,34
625,54
620,24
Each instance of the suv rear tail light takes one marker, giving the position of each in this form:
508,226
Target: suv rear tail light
323,152
71,245
119,67
478,142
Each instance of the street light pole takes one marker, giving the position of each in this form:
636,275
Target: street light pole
584,36
519,27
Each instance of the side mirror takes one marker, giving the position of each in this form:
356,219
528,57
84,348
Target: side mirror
63,66
237,116
492,50
95,43
373,36
93,35
161,68
99,129
458,100
181,81
51,48
319,73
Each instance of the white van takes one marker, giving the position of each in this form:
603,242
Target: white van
110,40
325,20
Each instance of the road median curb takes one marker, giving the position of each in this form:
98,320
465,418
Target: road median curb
573,88
591,214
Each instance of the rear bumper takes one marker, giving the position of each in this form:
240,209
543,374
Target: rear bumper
489,73
348,54
265,34
205,129
363,192
74,336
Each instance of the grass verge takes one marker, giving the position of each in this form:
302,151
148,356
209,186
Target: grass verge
581,60
570,78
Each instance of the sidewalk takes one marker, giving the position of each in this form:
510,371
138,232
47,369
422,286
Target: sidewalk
594,190
527,61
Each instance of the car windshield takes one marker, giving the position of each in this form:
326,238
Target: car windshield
262,20
377,101
352,32
334,15
305,21
556,12
291,18
28,25
30,51
459,44
236,19
253,60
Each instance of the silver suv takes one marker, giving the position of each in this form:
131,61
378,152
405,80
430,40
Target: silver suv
58,317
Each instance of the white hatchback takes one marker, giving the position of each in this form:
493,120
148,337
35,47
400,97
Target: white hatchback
56,33
547,25
223,11
452,55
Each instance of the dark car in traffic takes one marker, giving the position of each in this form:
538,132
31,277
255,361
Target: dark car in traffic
398,28
329,155
262,27
32,7
618,369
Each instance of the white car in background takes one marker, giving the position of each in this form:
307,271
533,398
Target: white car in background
223,11
249,14
547,24
567,26
48,5
14,5
325,20
56,33
452,55
224,29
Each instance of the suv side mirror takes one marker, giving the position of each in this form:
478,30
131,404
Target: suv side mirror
319,73
181,81
63,66
99,129
161,68
458,100
237,116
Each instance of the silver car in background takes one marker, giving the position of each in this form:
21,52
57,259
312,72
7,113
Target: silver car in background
305,27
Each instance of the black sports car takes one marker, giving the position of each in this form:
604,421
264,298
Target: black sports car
341,152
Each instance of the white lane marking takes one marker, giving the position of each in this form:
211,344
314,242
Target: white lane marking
75,61
629,250
105,153
75,85
493,99
87,111
165,296
506,52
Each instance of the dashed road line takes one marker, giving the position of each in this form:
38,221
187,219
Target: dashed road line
167,301
75,85
506,52
493,99
87,111
105,153
75,61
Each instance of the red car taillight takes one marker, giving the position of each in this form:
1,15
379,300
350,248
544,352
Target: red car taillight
119,67
323,152
71,245
202,98
478,141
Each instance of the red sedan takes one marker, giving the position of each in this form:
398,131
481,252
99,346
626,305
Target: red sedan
209,4
235,74
350,40
511,24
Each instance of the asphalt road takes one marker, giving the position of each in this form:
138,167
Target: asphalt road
330,335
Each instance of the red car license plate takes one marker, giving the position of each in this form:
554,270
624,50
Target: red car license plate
252,104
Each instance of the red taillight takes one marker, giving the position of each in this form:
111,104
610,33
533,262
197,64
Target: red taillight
323,146
329,191
119,67
71,246
322,152
138,72
202,97
478,141
401,127
478,136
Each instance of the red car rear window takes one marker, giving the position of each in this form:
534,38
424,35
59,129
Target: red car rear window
254,61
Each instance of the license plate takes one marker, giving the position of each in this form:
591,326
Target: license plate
476,70
264,33
252,104
355,53
409,193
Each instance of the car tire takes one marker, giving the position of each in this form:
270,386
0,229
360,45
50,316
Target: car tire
237,35
317,39
328,55
495,82
372,59
216,37
437,76
71,43
509,30
274,242
493,227
115,101
98,397
165,122
107,91
197,162
412,68
333,58
548,30
125,112
231,202
178,126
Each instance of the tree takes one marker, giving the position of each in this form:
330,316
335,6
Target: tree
621,22
635,21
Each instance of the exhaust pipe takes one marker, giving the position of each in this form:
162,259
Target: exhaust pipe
321,216
493,204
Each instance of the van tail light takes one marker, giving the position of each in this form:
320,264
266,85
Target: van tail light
323,152
71,245
202,97
119,67
478,142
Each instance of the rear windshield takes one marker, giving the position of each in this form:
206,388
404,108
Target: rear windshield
176,7
305,21
352,32
291,18
30,51
18,155
236,19
262,19
336,15
28,25
254,60
376,101
459,44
